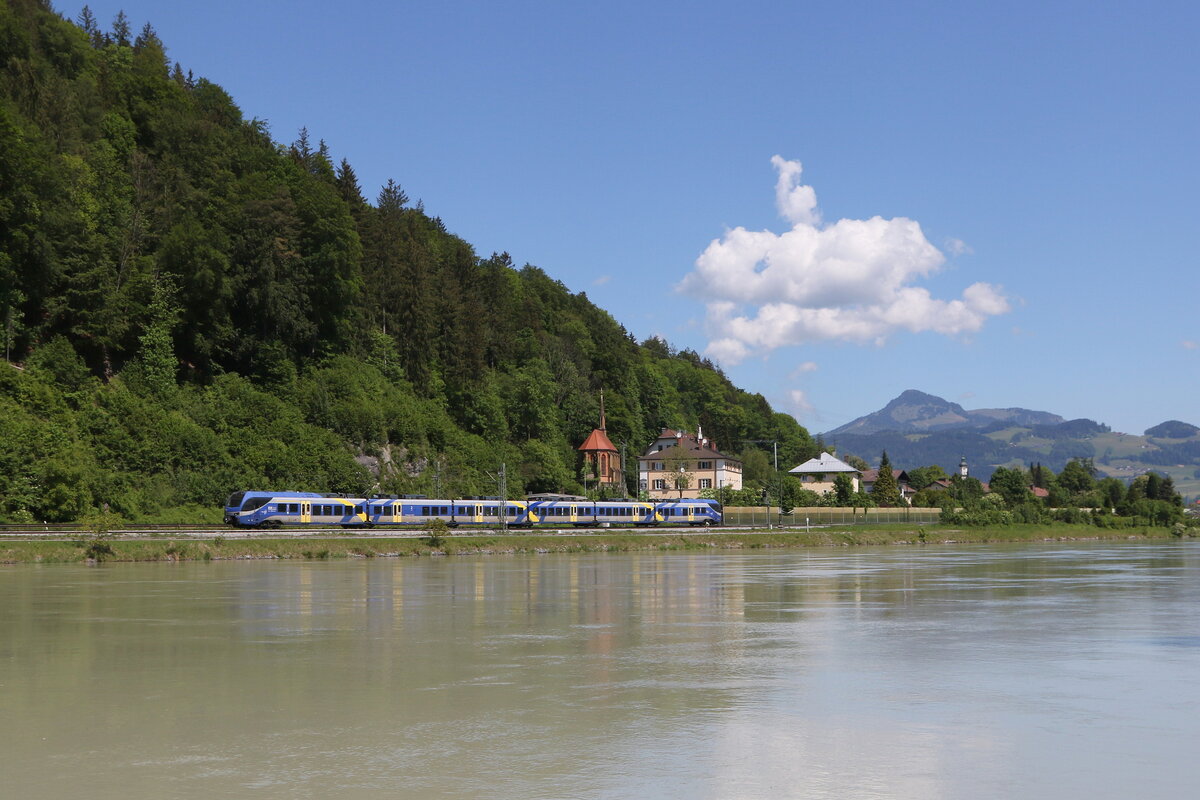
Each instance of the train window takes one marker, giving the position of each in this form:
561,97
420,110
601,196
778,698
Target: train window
255,503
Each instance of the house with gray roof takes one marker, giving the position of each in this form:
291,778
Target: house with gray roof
818,474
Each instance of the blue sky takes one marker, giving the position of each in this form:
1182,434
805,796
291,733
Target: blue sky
997,203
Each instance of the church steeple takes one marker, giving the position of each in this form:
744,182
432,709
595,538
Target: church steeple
599,452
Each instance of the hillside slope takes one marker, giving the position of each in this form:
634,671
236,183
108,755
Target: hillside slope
192,308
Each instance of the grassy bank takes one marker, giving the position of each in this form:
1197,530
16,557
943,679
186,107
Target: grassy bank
99,550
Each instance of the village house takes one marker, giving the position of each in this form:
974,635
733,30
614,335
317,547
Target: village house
818,474
870,477
682,465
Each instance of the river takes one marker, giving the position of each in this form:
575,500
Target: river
1009,671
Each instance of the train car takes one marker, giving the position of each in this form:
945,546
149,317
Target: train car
276,509
579,512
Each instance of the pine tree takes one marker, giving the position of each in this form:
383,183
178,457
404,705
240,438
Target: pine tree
87,21
886,491
120,29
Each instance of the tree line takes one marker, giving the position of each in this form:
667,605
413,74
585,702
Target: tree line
190,307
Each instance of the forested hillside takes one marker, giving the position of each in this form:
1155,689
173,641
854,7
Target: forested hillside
192,308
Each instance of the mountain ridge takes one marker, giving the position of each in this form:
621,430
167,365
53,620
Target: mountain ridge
919,429
914,411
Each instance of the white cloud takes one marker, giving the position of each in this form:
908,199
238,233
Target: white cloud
800,402
603,279
848,280
957,247
1188,344
807,366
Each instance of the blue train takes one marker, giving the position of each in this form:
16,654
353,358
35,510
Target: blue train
275,509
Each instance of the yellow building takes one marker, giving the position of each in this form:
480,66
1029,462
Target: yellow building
681,465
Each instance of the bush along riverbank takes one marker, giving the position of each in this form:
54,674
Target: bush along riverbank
101,549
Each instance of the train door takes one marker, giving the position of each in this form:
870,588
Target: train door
574,513
478,514
305,512
691,514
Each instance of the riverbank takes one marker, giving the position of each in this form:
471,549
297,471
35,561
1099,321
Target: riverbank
350,546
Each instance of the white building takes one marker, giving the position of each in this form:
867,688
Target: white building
818,474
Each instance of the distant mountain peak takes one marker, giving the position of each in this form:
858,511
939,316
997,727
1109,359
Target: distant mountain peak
914,411
1173,429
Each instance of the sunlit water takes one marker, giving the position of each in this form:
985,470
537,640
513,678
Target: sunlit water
1057,671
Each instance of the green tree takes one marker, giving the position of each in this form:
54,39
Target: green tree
843,488
157,355
858,463
887,491
1012,485
921,477
1078,476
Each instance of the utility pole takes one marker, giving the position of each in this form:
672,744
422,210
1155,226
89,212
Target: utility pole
624,475
503,498
501,479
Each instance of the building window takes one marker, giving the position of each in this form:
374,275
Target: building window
660,484
705,465
705,483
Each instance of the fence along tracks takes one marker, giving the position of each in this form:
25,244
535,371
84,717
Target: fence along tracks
748,522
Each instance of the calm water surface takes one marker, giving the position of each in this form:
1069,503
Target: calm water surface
1054,671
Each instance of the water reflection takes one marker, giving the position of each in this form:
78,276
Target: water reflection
1032,671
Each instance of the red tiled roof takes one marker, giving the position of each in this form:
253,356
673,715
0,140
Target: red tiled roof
872,475
598,440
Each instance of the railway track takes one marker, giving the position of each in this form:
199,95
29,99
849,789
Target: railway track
153,532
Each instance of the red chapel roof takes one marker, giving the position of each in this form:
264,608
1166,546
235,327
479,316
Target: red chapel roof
598,440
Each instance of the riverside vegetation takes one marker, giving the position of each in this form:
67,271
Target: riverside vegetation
344,547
